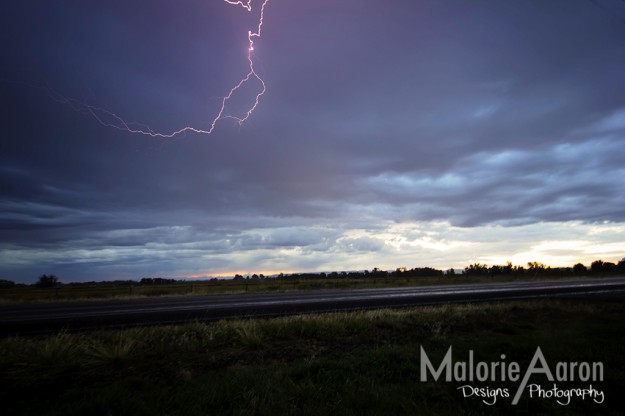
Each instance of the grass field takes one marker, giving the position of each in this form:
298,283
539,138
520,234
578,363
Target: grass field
356,363
126,290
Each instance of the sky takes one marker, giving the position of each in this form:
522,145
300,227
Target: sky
403,133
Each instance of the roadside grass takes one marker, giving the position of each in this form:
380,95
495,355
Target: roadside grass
129,291
351,363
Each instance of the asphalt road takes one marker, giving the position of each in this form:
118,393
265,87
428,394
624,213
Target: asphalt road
71,316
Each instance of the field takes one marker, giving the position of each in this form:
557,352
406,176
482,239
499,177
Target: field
96,291
356,363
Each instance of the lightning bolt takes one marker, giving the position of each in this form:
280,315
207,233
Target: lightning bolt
110,119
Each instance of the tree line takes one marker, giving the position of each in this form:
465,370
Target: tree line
533,268
597,267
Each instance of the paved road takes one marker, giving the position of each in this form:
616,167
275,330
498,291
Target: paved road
49,317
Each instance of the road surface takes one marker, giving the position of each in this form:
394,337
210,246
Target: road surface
71,316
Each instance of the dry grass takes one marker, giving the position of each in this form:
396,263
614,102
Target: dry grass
363,362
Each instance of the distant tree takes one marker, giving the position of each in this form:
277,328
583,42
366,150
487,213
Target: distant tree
377,272
579,268
156,281
495,269
450,272
535,266
476,269
621,266
47,280
519,269
600,266
6,283
597,266
609,267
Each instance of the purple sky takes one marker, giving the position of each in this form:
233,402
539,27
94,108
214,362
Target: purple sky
404,133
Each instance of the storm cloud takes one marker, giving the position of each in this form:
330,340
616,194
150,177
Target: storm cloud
404,133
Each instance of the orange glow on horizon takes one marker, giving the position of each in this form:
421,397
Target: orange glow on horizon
228,274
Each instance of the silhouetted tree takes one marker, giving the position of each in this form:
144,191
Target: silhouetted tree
377,272
597,266
609,267
476,269
6,283
495,269
47,280
536,267
519,269
579,268
156,281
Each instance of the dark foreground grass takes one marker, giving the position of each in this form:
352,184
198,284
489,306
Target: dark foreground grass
359,363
